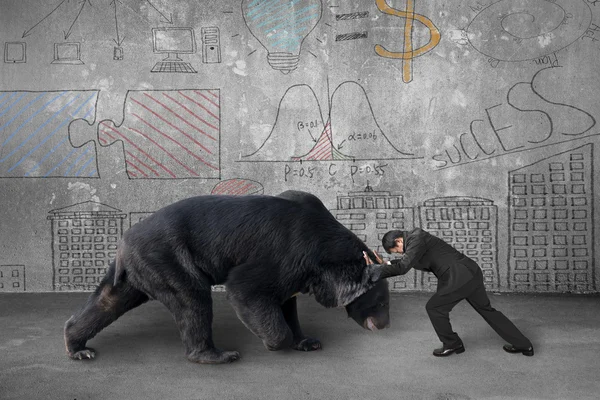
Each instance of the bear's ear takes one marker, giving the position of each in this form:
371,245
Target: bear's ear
374,272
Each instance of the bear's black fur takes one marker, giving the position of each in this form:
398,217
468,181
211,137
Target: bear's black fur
264,249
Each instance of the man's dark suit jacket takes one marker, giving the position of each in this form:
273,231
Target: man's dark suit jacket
426,252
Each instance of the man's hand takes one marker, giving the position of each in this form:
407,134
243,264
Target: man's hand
368,259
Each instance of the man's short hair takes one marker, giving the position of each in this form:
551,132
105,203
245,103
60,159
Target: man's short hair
389,239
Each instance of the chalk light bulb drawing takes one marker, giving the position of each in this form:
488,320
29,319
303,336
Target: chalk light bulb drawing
281,26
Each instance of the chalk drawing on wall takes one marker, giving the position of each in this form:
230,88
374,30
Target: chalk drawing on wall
551,217
516,30
408,52
470,225
211,45
281,27
300,133
351,36
352,16
238,187
173,41
527,121
370,214
67,53
15,52
12,278
84,241
168,134
35,139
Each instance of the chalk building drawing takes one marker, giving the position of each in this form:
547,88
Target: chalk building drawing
470,225
84,241
370,214
551,235
12,278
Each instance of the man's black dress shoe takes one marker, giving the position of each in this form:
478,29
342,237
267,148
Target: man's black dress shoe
509,348
446,351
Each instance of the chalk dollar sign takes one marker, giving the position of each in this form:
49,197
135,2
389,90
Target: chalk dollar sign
409,53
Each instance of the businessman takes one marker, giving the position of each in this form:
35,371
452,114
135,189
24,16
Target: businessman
459,277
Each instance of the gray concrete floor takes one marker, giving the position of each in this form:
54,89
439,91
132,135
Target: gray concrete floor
140,356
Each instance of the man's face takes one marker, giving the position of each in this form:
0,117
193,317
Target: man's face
399,247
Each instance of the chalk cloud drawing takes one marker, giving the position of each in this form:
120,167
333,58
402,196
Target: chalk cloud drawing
281,27
35,139
300,133
84,241
12,278
168,134
551,217
238,187
520,30
527,121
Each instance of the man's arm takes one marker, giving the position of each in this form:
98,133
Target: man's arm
416,247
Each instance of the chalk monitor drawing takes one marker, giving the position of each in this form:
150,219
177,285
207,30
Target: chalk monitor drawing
301,133
168,134
67,53
35,135
173,41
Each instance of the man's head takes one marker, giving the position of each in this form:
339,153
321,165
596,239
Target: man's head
393,242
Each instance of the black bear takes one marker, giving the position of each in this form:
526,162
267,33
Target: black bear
265,249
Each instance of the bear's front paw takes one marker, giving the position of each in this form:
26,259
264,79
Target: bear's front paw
85,354
307,344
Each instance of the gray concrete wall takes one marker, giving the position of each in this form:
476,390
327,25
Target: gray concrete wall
476,120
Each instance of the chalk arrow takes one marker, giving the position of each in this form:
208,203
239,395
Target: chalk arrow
119,40
28,32
168,20
341,144
68,33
